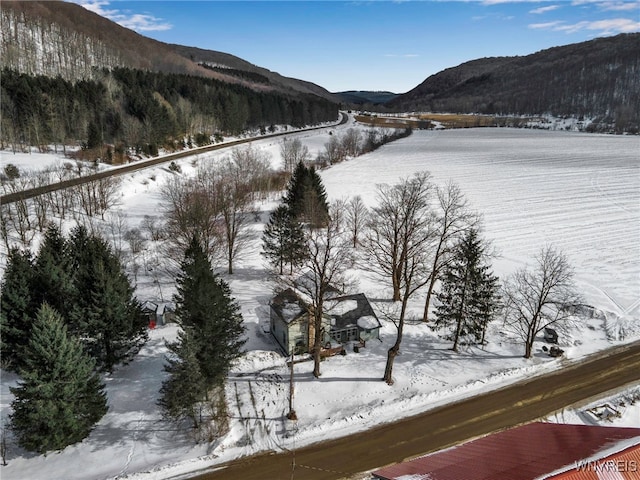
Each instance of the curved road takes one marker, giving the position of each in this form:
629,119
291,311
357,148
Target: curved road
445,426
132,167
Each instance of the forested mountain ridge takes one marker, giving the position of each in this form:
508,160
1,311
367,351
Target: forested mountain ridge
71,77
60,38
598,79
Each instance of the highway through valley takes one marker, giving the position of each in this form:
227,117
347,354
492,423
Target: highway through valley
135,166
445,426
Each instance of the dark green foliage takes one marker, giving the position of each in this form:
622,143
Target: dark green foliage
52,278
11,171
306,197
104,311
185,388
53,110
82,278
597,79
94,136
60,397
244,74
210,340
468,293
283,239
16,312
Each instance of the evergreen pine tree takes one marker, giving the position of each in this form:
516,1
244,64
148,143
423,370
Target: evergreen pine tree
306,197
16,312
298,184
60,397
204,306
318,211
283,239
210,340
105,312
52,281
468,293
185,388
486,302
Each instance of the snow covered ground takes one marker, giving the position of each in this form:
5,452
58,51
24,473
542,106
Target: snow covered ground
580,192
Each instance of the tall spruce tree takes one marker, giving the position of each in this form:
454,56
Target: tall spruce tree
211,335
16,307
104,312
60,397
306,197
283,240
53,278
184,389
468,293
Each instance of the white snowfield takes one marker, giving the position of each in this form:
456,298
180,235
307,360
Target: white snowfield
579,192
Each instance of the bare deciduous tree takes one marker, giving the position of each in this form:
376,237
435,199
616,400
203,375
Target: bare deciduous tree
328,258
293,152
389,226
152,227
453,218
16,216
356,216
191,209
351,142
540,296
240,181
97,196
400,231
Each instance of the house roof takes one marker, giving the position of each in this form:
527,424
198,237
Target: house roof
528,452
288,305
624,465
149,306
306,284
350,311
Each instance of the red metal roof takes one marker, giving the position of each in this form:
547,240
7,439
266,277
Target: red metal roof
624,465
526,452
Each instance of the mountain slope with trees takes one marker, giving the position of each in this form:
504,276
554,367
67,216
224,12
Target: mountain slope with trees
598,79
61,38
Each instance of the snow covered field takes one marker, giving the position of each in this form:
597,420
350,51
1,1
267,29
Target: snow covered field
580,192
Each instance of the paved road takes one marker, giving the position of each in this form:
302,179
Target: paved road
445,426
135,166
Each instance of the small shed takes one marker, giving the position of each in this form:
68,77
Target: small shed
158,313
148,312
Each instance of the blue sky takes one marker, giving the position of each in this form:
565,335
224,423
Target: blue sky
371,45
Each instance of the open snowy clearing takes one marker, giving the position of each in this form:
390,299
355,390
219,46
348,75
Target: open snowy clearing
580,192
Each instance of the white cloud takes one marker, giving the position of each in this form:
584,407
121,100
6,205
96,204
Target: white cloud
139,22
498,2
610,5
620,6
547,25
602,27
550,8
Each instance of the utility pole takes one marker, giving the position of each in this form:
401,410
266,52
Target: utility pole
292,413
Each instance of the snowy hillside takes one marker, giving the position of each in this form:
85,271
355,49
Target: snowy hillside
579,192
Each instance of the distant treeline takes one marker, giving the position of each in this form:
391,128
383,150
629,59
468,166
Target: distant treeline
142,110
599,79
234,72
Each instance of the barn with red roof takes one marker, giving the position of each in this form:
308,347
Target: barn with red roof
534,451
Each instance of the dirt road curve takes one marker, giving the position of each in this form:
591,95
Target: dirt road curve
445,426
